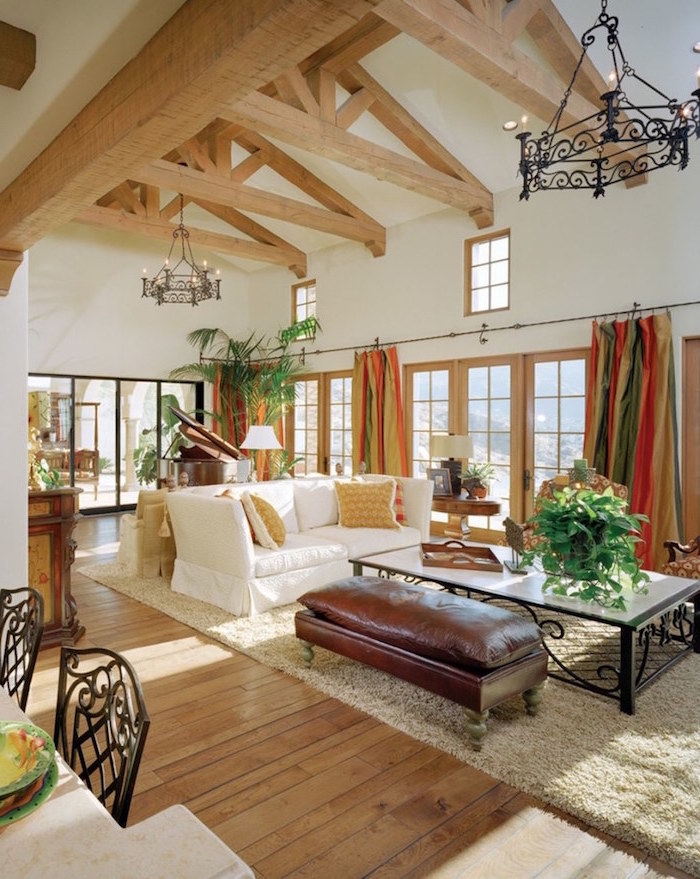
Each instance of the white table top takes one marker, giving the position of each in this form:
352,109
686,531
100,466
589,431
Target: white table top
664,592
72,835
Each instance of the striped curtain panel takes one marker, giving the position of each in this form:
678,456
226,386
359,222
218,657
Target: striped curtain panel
631,429
377,413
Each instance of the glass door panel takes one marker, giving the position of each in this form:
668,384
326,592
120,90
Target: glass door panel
489,416
94,442
340,425
305,427
138,438
556,398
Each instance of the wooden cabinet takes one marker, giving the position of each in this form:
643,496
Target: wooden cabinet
52,518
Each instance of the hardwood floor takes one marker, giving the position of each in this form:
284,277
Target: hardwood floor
299,784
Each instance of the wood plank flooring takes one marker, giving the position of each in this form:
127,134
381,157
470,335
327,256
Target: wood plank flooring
301,785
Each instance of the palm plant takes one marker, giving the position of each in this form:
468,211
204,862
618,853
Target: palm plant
255,376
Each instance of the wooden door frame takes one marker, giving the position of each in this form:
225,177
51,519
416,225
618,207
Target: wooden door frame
690,437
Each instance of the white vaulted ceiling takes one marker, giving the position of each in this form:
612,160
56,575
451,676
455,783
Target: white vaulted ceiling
287,161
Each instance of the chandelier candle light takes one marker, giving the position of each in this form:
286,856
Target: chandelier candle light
191,284
619,142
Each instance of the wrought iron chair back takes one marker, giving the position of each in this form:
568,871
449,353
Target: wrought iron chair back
21,628
101,724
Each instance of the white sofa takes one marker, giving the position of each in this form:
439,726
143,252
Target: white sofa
218,562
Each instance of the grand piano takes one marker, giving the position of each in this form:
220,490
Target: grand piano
210,460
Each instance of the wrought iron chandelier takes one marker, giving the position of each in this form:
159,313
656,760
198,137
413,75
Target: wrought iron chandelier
191,284
619,142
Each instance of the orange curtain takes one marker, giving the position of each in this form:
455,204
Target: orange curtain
631,427
377,413
230,420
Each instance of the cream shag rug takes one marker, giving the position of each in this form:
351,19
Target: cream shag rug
636,778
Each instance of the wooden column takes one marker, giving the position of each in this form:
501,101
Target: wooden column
53,515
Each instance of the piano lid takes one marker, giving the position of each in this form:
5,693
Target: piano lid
214,446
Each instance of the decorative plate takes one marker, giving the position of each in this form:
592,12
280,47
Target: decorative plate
26,754
46,787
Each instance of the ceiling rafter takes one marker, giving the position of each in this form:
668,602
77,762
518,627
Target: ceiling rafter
162,229
461,38
256,231
276,119
213,188
387,110
294,172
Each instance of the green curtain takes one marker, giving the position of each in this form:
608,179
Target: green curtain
631,426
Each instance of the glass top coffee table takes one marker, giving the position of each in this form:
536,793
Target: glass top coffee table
611,652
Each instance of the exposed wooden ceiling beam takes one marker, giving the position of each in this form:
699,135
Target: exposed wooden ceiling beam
463,39
217,189
403,126
153,228
167,93
17,55
317,136
312,185
367,35
256,231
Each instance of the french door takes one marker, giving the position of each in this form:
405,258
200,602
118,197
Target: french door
319,426
524,414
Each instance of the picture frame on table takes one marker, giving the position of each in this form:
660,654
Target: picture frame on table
440,477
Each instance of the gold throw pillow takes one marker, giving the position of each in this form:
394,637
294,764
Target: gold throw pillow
366,504
265,522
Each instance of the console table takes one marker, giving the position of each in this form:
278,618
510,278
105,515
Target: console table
459,507
53,515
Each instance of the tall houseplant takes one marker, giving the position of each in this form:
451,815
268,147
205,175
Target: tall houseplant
253,378
584,541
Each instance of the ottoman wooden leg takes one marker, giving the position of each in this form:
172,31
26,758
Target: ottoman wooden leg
307,652
476,727
533,697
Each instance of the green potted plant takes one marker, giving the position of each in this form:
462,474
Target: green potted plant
476,477
584,541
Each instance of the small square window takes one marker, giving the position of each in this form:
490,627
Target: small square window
304,304
487,273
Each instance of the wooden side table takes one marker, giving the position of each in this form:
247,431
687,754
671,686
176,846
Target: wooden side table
459,507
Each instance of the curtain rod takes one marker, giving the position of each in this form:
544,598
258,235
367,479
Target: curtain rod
482,332
484,329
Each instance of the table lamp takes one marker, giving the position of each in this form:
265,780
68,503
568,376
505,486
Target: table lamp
453,449
260,438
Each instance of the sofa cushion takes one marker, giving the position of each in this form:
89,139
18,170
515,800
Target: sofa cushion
299,551
366,504
265,522
315,502
364,541
431,623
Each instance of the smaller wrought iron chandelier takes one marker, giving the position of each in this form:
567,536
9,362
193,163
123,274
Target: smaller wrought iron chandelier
191,284
620,142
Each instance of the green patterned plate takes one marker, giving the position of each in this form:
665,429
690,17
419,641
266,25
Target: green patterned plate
50,781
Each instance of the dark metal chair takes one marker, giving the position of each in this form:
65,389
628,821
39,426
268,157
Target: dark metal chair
21,628
101,724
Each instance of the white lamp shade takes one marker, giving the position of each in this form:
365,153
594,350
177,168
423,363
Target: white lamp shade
261,436
452,446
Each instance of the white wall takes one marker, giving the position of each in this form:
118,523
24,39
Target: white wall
13,431
87,315
572,255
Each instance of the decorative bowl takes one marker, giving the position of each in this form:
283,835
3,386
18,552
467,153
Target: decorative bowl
26,755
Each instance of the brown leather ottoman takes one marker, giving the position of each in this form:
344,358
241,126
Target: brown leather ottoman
473,653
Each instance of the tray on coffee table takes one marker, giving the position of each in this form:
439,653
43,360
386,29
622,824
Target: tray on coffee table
460,555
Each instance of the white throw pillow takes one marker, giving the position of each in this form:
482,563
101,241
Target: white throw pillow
316,503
